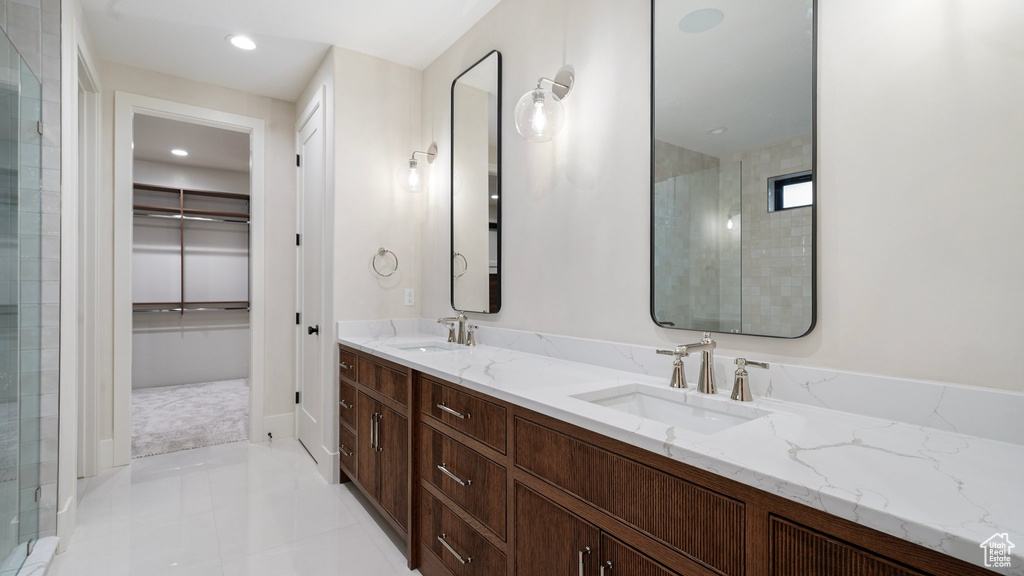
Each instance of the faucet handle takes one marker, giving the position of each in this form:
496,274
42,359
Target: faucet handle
678,373
741,386
679,351
742,363
450,324
471,334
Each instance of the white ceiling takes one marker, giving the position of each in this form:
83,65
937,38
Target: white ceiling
750,75
186,38
154,138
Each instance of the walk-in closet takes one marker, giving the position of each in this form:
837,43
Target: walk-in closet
190,286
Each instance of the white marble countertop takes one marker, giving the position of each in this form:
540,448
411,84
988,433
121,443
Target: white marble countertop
945,491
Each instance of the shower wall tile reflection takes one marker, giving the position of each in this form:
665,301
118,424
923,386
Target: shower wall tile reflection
724,263
777,291
697,273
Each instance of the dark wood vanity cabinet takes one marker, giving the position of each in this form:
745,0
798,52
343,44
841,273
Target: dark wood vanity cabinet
480,487
383,457
550,541
375,434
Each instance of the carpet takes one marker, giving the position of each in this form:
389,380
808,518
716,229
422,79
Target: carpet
172,418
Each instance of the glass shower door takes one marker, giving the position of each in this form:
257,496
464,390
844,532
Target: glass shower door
21,317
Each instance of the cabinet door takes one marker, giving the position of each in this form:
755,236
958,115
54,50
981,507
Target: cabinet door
618,558
367,469
394,464
551,541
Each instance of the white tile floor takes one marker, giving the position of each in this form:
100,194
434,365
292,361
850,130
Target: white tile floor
236,509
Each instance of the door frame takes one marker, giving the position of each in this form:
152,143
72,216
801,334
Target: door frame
126,105
85,174
78,446
328,456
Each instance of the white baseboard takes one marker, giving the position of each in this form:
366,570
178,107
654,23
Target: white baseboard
106,455
280,425
66,519
329,465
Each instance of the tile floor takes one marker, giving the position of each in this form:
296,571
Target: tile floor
232,510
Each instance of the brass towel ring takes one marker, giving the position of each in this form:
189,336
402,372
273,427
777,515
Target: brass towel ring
464,261
380,253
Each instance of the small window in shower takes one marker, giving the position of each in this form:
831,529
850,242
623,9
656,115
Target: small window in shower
790,191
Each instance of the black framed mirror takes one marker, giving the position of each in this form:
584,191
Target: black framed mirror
476,187
733,169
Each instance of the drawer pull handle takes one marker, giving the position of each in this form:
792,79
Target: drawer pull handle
345,405
586,550
445,408
448,546
444,468
345,366
345,451
609,565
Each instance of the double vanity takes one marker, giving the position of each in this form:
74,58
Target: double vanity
490,460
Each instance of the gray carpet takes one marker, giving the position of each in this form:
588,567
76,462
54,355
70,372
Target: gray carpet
172,418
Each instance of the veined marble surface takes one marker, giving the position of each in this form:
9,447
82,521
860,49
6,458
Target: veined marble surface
941,489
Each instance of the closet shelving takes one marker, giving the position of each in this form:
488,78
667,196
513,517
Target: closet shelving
184,214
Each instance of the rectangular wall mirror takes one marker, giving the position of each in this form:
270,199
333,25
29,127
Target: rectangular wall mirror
733,166
476,187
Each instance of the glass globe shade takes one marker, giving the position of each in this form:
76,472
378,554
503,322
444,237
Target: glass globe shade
412,176
539,115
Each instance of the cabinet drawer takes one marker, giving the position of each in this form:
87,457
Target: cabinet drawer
460,548
347,449
347,364
483,420
796,550
696,522
391,383
475,483
347,399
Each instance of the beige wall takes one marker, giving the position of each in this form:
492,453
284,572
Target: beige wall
377,119
919,139
280,197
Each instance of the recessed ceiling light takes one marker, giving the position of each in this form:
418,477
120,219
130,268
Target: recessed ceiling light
717,131
179,152
701,20
494,197
243,42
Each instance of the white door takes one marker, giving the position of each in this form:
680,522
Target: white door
312,327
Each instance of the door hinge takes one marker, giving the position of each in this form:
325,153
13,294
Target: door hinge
39,493
298,240
298,160
298,318
297,397
39,128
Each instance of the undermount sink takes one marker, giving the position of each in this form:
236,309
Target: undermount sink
429,347
670,407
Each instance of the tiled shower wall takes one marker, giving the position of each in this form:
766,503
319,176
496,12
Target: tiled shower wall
697,272
34,28
777,291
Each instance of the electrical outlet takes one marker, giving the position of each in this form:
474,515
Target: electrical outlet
410,297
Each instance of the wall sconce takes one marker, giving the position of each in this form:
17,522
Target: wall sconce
412,176
539,113
732,214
